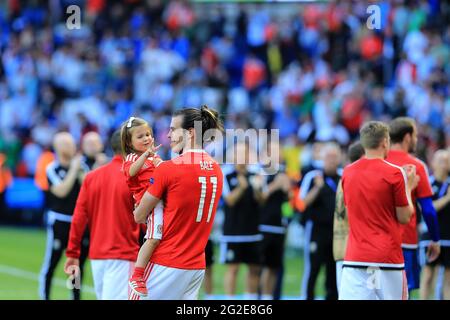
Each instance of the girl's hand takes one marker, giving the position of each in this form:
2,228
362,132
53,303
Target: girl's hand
151,151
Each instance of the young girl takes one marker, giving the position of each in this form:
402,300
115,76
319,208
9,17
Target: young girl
139,164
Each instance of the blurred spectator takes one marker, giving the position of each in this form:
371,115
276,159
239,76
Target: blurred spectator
5,181
312,66
241,239
40,177
65,176
92,148
276,193
318,191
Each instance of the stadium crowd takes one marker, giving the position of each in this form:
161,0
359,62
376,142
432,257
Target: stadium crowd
316,72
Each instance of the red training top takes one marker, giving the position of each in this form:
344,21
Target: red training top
190,186
105,205
373,188
139,183
410,238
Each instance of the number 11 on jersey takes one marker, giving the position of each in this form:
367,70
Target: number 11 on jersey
201,204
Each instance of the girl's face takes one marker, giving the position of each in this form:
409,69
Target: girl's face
141,138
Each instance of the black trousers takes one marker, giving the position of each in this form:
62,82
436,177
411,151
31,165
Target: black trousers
57,240
321,254
2,206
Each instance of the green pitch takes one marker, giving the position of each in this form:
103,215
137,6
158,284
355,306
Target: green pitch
22,251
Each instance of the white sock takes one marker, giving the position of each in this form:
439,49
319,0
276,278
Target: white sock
266,297
250,296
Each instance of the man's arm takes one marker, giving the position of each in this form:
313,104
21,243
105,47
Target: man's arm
77,228
311,196
155,192
340,225
147,204
63,188
79,223
233,197
440,203
281,182
430,217
404,213
257,186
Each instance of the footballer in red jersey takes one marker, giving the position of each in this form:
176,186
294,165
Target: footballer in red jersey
190,186
403,134
377,198
104,205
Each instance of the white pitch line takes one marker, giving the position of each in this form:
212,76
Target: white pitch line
20,273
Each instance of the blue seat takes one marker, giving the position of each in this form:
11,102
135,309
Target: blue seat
23,194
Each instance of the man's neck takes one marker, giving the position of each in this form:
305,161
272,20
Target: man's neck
374,154
440,175
194,147
399,147
64,162
330,173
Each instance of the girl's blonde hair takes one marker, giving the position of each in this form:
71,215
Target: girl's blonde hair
126,132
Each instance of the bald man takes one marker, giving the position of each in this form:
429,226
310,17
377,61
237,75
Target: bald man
65,176
92,147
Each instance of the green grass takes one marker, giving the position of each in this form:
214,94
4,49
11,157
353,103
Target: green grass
23,249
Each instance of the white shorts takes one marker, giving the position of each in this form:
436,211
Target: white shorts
155,222
339,269
111,278
164,283
372,283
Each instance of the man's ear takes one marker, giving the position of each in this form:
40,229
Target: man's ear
191,132
386,142
408,138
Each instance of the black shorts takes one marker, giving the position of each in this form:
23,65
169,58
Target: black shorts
443,259
272,248
209,253
241,252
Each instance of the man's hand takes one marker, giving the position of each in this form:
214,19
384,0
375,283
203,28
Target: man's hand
75,163
257,182
433,251
100,160
156,160
447,194
318,181
70,264
242,180
412,179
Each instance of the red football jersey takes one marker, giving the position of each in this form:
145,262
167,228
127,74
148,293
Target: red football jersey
139,183
400,158
190,186
104,205
372,189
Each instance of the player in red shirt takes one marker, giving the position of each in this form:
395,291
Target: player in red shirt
104,205
139,164
377,198
403,134
190,186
